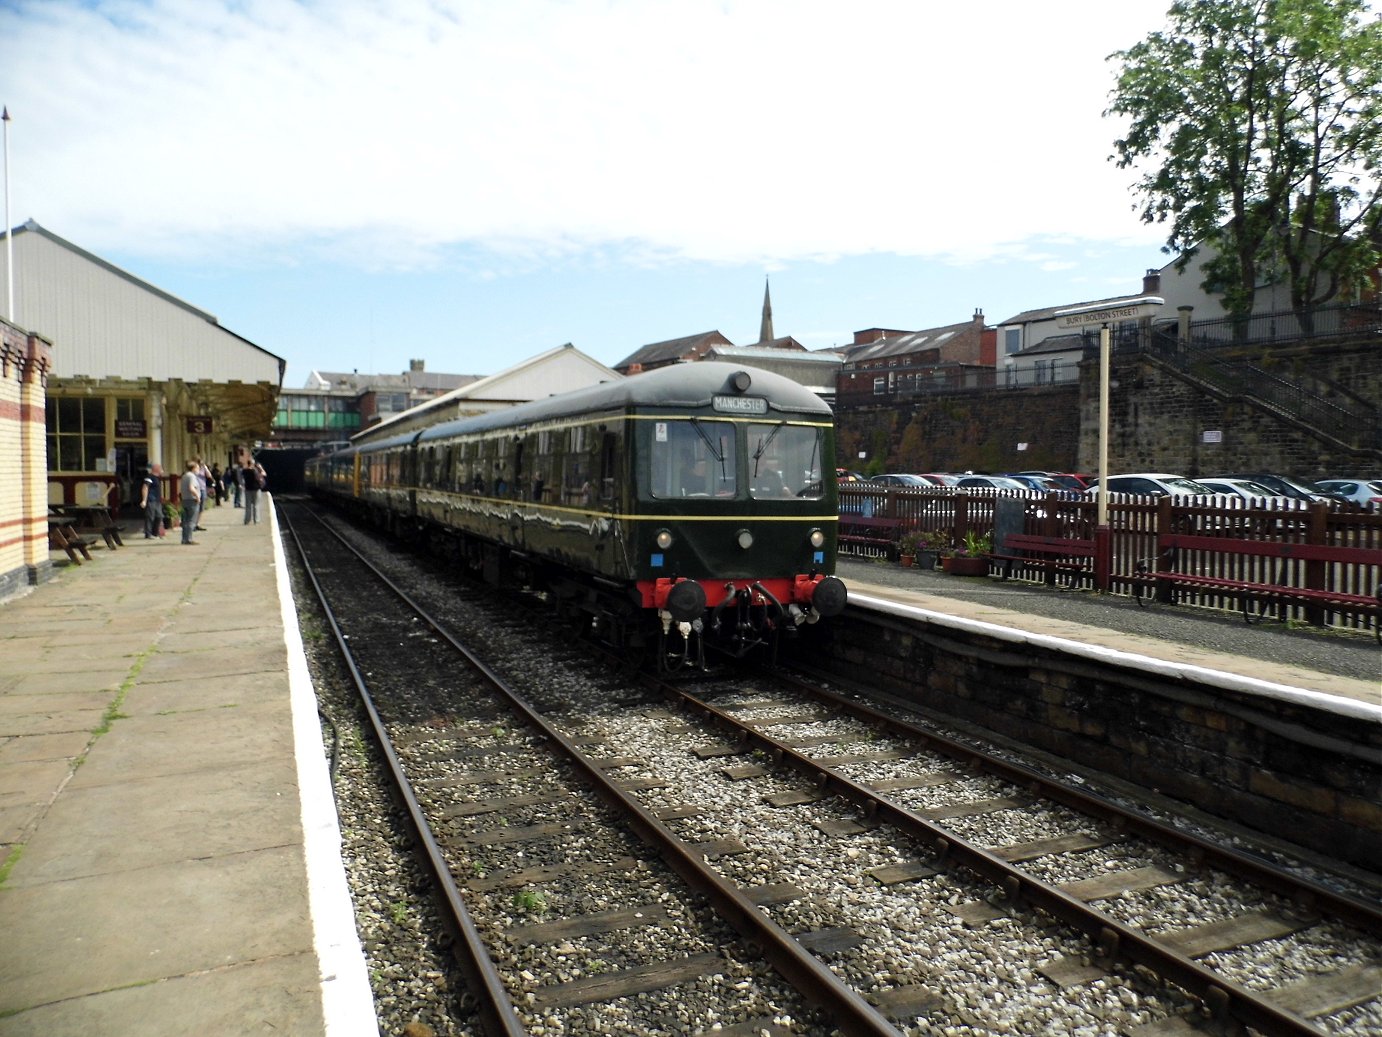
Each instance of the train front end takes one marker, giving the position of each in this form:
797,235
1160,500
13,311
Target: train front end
734,540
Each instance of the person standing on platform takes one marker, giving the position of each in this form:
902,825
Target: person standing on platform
151,501
249,472
237,478
191,490
204,474
218,486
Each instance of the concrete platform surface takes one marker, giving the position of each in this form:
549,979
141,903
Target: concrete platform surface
169,851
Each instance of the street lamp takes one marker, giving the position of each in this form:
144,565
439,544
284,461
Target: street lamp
1104,314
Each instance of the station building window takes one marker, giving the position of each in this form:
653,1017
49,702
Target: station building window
76,433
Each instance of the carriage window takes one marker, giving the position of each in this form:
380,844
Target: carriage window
692,459
785,461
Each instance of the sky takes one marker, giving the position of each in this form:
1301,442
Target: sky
352,184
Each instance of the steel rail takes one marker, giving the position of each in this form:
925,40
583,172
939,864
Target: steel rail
497,1011
852,1014
1307,894
1113,938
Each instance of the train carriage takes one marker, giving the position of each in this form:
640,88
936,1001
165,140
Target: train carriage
689,506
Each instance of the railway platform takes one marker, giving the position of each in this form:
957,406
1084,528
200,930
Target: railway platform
169,851
1333,671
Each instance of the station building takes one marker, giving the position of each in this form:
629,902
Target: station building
104,374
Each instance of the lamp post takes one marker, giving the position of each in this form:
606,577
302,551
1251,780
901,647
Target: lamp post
1105,314
9,242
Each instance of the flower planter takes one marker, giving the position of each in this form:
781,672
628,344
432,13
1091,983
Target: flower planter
966,565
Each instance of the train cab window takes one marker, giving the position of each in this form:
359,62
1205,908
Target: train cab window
785,461
692,459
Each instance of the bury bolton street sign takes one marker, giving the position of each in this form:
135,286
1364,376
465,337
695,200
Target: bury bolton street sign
1132,309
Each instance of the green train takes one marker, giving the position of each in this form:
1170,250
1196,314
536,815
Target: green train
688,509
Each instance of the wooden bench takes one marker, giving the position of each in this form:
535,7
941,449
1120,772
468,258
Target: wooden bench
94,518
62,537
869,532
1052,554
1264,590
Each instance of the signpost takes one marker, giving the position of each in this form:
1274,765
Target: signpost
1105,314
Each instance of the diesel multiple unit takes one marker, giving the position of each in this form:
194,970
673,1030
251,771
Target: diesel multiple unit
689,507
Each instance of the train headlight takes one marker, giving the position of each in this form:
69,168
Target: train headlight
664,539
817,538
744,539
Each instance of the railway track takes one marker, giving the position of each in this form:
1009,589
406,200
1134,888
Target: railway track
516,820
943,893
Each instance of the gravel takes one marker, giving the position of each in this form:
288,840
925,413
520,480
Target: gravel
984,979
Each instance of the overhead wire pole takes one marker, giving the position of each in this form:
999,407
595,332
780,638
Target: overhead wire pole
9,238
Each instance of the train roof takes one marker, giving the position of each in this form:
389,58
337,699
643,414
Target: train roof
681,385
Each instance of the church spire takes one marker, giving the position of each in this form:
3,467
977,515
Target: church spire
765,330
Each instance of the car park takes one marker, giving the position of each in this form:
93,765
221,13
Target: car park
1157,484
941,478
1367,493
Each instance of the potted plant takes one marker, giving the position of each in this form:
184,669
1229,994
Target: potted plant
972,557
908,546
937,544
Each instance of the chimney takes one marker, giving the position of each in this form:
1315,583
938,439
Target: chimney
417,365
979,317
1151,282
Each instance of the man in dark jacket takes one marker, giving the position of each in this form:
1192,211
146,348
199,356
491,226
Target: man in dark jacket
151,500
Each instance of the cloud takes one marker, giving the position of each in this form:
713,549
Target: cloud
548,131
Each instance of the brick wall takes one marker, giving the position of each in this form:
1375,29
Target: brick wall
24,364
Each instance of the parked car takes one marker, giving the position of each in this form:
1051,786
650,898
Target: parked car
1366,492
900,480
1282,484
941,478
1153,484
1044,483
1245,488
989,482
845,475
1067,480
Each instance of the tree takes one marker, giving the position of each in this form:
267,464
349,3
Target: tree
1257,127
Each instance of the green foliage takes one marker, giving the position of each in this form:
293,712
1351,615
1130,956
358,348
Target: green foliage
1257,130
975,544
530,901
915,541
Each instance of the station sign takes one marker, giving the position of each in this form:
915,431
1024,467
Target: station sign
1131,309
129,428
199,425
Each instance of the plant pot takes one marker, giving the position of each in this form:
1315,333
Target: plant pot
906,561
926,560
966,565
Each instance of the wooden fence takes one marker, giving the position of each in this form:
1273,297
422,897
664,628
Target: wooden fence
1141,528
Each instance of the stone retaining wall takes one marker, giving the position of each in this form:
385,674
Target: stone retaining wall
1287,770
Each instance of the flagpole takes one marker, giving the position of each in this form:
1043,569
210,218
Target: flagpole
9,240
